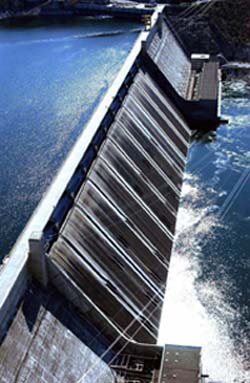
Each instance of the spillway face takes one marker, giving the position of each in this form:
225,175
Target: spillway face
112,254
170,57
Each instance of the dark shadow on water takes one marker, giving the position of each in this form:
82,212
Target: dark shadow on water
204,137
42,21
30,22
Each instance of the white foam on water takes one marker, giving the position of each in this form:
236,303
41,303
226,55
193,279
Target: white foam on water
195,312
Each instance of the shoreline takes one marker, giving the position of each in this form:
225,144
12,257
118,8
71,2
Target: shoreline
129,11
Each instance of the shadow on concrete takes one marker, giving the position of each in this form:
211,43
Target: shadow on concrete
38,302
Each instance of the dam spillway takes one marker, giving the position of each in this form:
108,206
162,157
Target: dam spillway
126,210
106,245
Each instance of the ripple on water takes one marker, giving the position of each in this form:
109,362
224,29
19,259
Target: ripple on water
207,300
52,78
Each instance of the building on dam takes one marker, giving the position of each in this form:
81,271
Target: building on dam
82,291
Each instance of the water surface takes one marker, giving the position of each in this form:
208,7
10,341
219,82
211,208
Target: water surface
208,293
53,73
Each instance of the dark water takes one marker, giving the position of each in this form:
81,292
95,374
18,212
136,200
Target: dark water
52,75
207,301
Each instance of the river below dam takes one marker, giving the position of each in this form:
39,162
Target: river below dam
53,73
207,299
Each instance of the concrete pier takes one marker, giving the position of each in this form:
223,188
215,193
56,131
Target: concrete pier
181,364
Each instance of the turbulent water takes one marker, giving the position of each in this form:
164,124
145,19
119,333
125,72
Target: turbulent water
53,73
207,302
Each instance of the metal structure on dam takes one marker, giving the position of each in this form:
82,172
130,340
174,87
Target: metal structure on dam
99,244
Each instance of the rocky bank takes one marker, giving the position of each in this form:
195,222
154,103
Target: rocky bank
214,27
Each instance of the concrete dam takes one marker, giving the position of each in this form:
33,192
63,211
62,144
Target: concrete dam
82,292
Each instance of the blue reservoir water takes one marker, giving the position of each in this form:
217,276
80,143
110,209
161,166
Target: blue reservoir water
207,302
53,73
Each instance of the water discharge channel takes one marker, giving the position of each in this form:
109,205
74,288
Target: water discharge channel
207,300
